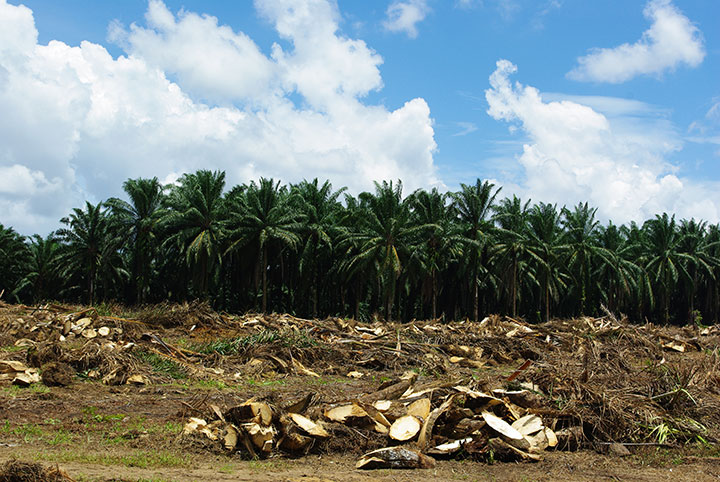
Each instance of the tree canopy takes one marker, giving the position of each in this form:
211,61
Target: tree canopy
312,250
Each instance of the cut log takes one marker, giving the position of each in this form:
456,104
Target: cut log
505,451
343,412
426,432
250,411
395,458
262,437
528,425
404,428
501,426
449,448
308,426
419,408
230,439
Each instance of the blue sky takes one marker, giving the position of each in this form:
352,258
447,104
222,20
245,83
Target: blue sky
614,102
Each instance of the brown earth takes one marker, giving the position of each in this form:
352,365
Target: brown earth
652,388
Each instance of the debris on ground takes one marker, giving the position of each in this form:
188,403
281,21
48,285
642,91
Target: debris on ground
499,388
16,471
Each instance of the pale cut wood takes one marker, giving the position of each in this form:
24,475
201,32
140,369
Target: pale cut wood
404,428
501,426
308,426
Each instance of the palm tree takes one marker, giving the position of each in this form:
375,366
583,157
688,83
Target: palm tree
581,248
194,223
91,248
618,274
664,260
42,277
473,205
384,238
513,243
264,216
696,246
139,220
320,210
544,236
441,241
14,259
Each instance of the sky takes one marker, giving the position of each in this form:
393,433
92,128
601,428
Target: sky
616,103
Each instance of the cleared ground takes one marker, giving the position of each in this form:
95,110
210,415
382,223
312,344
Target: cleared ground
653,389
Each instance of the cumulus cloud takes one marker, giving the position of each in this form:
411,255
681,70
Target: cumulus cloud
403,16
575,153
78,122
671,40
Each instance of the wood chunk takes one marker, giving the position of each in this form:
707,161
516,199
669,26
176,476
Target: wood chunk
11,366
251,411
528,425
137,380
426,432
293,442
449,447
551,437
419,408
395,458
262,437
25,379
501,426
404,428
230,439
343,412
308,426
505,451
301,405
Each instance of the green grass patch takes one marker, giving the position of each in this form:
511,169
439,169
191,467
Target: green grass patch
235,346
140,459
162,365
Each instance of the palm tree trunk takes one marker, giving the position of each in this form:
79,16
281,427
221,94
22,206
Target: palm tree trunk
91,286
476,303
264,279
547,297
514,288
434,294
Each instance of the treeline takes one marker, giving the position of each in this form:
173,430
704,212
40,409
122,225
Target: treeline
310,250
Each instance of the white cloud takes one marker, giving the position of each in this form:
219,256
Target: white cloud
78,122
575,153
403,16
211,61
670,41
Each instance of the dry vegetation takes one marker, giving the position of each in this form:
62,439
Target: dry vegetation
193,383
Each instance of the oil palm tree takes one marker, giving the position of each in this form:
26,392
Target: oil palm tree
91,248
320,211
512,247
581,249
544,236
440,239
42,277
384,238
14,259
473,205
195,223
139,220
664,260
265,217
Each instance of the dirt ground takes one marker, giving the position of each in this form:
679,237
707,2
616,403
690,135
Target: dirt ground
655,390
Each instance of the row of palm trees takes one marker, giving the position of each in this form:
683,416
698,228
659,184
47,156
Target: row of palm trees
311,250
